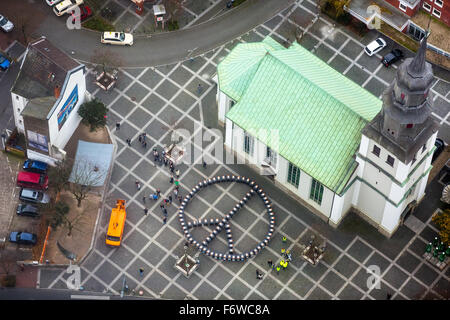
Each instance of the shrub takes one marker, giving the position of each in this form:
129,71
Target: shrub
98,24
9,281
442,220
172,25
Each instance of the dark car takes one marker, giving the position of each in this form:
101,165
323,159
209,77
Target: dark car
23,238
440,145
85,12
27,210
391,57
35,166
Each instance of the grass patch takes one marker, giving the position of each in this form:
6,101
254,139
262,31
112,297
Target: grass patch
172,25
237,2
99,24
95,5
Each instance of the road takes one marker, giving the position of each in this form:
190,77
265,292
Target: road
170,47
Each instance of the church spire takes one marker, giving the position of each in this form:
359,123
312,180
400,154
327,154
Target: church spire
417,66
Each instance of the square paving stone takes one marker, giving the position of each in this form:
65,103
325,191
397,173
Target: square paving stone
319,294
292,228
167,68
136,241
361,278
413,290
92,285
122,106
430,296
340,63
252,37
168,239
357,75
287,295
91,262
106,96
127,22
206,264
123,81
254,296
308,42
122,257
301,17
442,87
350,293
320,29
107,272
269,287
237,290
134,214
315,272
426,274
205,292
195,64
441,107
300,285
351,50
246,244
181,76
336,39
156,129
377,260
145,170
156,282
442,287
331,255
418,247
220,277
167,268
169,115
167,89
260,230
188,283
128,185
272,23
174,293
117,173
150,78
136,92
153,103
380,293
386,74
428,233
395,277
332,282
369,63
375,87
134,72
152,223
359,251
408,262
154,254
324,52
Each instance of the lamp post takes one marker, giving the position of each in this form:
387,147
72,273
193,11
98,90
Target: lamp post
124,286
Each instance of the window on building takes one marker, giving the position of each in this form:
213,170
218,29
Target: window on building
426,6
37,141
402,7
271,157
376,150
293,175
248,143
316,191
439,3
436,13
390,161
424,147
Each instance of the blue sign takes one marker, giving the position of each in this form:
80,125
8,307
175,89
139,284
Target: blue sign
67,108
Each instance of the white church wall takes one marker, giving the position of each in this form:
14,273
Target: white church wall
391,217
19,104
371,203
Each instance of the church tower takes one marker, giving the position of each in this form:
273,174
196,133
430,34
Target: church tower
397,146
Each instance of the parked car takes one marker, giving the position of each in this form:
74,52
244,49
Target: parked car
392,57
23,237
27,210
32,180
4,63
66,6
35,196
120,38
440,145
51,3
5,24
375,46
35,166
85,12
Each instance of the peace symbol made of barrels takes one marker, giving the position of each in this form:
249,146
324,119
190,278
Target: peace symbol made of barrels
224,222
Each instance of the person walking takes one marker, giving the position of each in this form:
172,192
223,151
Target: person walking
129,142
177,173
171,179
145,144
164,212
176,182
155,196
158,192
270,263
144,135
199,88
278,269
117,126
140,138
145,211
204,164
257,274
175,192
143,199
180,198
170,199
141,272
137,184
171,167
164,220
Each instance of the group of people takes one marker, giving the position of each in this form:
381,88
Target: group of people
286,258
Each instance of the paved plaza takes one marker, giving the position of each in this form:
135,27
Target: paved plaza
158,100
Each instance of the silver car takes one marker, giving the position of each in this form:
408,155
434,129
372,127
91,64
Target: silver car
5,24
35,196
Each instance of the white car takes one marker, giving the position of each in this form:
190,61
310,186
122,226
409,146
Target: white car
120,38
51,3
66,6
5,24
375,46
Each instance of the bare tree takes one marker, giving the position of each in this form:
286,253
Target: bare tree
106,60
59,176
26,19
173,8
7,261
84,177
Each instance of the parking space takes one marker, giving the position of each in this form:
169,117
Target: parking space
159,100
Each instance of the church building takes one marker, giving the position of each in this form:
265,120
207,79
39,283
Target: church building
324,139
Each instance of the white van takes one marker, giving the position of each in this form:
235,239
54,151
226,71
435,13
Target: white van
66,6
120,38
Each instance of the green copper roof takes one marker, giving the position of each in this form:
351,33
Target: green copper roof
318,112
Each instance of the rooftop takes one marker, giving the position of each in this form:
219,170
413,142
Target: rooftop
318,112
39,107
